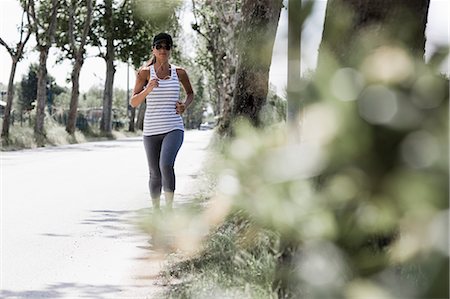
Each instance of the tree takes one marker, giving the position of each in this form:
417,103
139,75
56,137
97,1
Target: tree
256,31
216,23
73,29
389,28
28,88
105,25
365,25
43,23
16,55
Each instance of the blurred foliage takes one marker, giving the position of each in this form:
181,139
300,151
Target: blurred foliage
364,196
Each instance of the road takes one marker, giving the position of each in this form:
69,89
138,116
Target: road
67,218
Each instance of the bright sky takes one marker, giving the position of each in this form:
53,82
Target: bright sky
93,71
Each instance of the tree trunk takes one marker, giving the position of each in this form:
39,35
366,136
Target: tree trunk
257,32
72,118
9,101
41,96
353,29
106,122
389,22
44,43
365,26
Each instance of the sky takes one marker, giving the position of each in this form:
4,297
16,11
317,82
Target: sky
94,69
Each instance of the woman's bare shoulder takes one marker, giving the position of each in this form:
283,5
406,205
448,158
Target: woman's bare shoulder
180,71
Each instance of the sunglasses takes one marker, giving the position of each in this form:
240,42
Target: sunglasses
166,47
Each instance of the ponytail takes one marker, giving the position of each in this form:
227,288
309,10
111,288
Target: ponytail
151,61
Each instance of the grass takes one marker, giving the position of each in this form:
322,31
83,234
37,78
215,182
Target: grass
22,137
237,261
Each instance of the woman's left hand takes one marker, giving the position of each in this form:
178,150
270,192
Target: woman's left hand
180,107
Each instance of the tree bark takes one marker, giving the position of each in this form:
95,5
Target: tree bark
41,96
389,22
75,76
106,121
353,29
257,32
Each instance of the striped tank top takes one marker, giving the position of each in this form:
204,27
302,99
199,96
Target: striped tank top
160,114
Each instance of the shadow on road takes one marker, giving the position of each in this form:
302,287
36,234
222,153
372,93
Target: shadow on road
66,290
114,224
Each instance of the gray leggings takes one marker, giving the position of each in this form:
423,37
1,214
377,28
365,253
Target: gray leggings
161,152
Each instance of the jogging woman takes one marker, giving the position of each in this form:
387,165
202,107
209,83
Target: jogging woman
158,83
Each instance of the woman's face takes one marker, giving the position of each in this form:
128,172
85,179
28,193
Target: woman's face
162,50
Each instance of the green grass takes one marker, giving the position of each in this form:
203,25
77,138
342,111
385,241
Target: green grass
237,261
22,137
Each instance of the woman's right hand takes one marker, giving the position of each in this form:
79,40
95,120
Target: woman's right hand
152,84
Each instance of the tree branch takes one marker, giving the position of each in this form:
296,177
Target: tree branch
10,51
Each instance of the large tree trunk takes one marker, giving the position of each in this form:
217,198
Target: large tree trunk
257,32
386,22
364,26
106,122
353,31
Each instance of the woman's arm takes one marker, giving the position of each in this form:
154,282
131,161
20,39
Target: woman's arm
184,79
140,91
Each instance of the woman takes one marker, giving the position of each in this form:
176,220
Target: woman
159,85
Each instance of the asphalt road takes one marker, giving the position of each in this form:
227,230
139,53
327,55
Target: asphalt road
68,214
